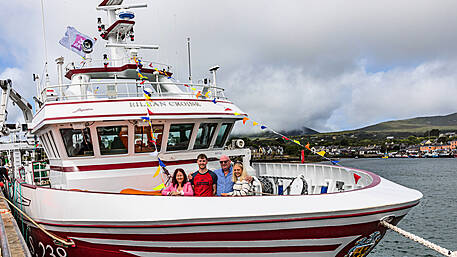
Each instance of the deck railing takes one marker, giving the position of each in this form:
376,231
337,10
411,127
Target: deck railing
335,178
130,89
111,62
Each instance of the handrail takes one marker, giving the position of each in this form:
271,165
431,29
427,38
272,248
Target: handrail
111,61
130,88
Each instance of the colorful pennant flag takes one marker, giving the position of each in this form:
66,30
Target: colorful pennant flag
237,113
157,172
321,153
150,112
228,109
214,101
198,94
297,142
255,123
245,119
307,146
159,187
263,127
145,118
356,178
161,163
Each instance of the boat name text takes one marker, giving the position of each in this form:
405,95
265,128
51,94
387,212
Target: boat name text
166,104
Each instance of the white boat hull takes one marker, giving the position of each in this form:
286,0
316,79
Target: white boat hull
110,224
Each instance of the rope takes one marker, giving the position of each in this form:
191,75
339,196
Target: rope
57,239
420,240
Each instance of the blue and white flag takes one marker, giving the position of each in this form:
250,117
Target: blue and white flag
77,42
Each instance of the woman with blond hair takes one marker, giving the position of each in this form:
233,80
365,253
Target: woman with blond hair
241,186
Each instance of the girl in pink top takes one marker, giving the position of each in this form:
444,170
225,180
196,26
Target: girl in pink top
179,185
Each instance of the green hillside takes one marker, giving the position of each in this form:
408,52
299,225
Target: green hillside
415,125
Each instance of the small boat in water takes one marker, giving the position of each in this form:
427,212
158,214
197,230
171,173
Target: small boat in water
103,136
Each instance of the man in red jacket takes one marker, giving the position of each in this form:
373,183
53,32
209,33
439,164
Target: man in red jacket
204,181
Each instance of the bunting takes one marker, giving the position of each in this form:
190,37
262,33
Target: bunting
159,187
157,172
321,153
307,146
161,163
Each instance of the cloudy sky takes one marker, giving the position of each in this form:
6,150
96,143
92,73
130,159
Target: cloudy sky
327,65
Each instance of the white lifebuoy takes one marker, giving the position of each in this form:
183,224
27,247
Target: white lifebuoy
239,143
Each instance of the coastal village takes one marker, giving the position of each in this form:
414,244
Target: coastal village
444,145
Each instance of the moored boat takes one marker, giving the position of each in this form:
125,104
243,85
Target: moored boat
122,120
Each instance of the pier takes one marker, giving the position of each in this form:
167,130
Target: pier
11,240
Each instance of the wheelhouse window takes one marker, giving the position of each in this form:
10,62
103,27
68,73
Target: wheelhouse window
204,135
223,134
148,138
179,137
77,142
113,140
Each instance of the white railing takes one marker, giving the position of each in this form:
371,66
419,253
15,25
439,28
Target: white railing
90,62
335,178
115,89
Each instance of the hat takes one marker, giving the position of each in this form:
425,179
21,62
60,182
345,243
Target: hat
224,158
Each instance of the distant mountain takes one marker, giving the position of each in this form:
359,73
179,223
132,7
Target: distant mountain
414,125
298,132
289,133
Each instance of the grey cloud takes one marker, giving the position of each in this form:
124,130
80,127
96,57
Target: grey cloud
324,64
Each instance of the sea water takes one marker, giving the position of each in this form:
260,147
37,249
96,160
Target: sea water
435,218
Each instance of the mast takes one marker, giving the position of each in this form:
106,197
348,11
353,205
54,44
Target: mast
119,29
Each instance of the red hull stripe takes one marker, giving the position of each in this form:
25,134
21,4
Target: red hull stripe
261,235
215,250
121,166
137,115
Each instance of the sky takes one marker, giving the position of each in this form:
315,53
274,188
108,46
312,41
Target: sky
327,65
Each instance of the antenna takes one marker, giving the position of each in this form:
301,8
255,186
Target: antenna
44,38
188,54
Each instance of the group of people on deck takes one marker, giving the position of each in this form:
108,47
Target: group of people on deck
227,181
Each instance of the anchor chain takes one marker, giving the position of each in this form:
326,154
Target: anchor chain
420,240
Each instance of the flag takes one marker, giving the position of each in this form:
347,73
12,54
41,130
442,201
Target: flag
245,119
335,162
147,93
161,163
263,127
159,187
255,123
157,172
237,113
321,153
214,101
150,112
307,146
145,118
356,178
77,42
228,109
199,94
297,142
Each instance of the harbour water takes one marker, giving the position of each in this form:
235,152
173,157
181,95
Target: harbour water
435,218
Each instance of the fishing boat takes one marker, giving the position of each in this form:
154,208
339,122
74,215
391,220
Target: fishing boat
113,133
